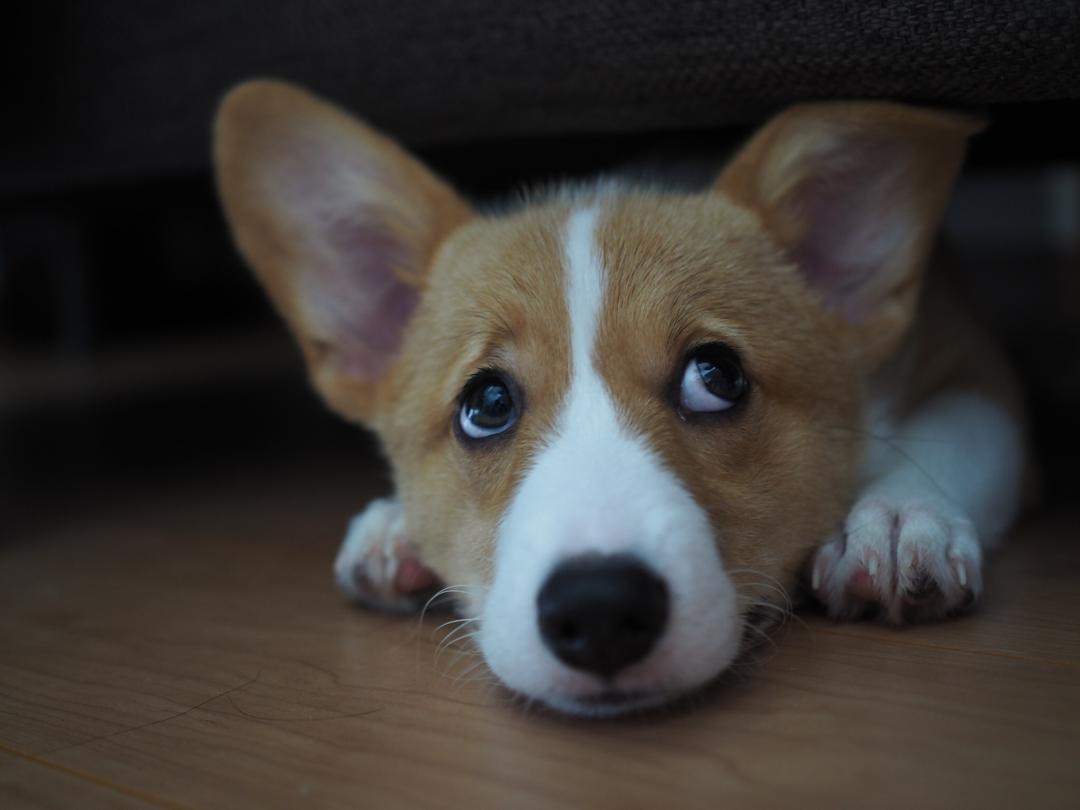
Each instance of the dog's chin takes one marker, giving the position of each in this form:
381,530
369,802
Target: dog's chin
610,703
650,685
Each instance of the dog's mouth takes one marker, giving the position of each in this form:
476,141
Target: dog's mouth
614,697
609,703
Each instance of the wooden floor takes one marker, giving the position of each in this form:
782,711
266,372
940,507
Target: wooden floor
185,647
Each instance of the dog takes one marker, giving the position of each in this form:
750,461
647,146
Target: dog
624,423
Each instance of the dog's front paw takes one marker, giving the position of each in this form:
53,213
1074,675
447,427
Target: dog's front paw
377,564
910,559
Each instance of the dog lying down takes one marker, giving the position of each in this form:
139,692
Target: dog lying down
624,422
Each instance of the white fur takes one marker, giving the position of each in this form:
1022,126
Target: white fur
367,562
939,489
597,487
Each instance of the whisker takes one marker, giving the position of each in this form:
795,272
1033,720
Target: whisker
457,635
443,592
448,643
488,681
770,582
462,652
893,443
890,438
460,678
779,591
785,614
764,636
463,625
447,624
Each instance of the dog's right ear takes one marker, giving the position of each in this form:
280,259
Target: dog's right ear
339,224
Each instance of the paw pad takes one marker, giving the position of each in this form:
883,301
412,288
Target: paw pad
377,564
909,560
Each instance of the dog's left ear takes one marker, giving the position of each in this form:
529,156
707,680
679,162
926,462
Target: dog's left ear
339,224
854,193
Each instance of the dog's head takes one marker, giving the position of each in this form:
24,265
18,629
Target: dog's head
621,418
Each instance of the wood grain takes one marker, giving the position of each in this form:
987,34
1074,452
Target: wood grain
186,648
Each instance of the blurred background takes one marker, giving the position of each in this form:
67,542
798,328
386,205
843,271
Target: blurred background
135,350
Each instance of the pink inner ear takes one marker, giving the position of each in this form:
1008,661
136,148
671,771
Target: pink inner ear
336,197
361,305
858,220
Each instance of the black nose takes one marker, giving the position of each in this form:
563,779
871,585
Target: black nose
601,613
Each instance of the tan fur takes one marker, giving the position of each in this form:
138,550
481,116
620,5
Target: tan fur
495,299
257,130
947,350
775,477
771,172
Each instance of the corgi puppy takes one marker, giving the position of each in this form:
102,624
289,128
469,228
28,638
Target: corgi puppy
625,423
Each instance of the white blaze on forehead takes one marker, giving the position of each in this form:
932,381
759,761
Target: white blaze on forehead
597,487
584,298
589,438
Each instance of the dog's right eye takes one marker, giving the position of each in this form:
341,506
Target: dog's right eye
487,407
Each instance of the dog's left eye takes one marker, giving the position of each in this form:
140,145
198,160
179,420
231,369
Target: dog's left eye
487,407
712,381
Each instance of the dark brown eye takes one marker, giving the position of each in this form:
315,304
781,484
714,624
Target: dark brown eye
713,380
487,407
